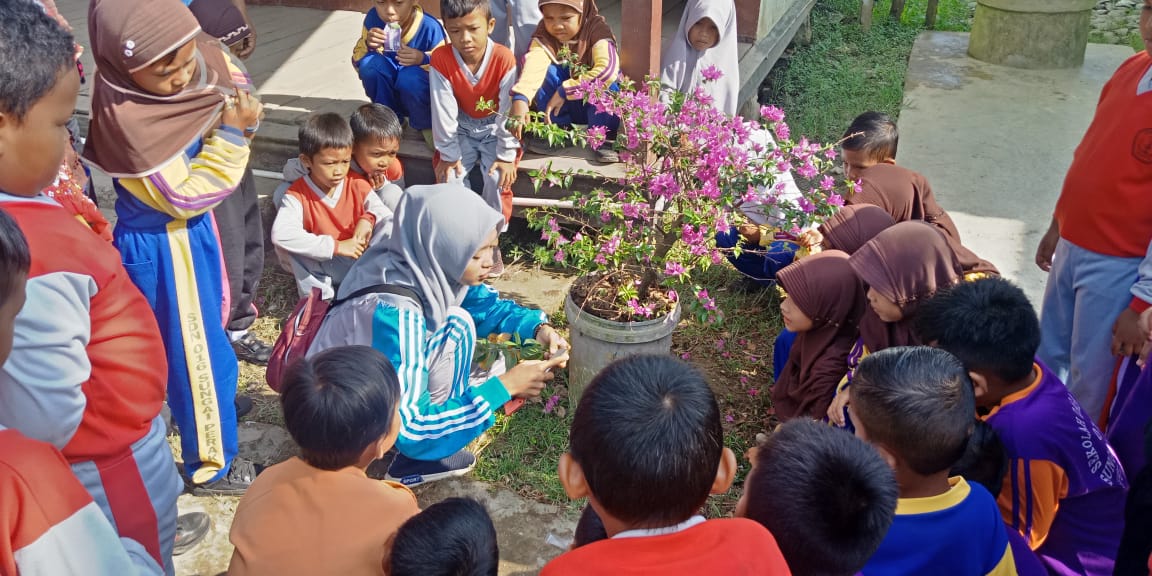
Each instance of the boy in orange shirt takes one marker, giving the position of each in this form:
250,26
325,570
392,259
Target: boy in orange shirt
320,513
646,449
327,218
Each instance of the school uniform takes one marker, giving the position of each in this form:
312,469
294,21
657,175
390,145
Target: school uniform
404,89
464,132
516,20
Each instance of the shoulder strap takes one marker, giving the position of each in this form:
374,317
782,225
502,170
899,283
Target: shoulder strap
381,289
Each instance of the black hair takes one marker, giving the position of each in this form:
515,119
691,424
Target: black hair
338,403
450,538
460,8
989,324
15,259
918,403
324,131
826,496
589,529
873,133
984,461
647,435
375,122
34,51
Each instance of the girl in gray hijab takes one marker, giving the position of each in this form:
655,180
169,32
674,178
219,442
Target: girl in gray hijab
443,246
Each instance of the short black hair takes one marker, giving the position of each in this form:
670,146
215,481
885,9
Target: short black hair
323,131
450,538
873,133
589,529
648,437
15,259
34,51
918,403
985,461
375,122
339,402
989,324
827,497
460,8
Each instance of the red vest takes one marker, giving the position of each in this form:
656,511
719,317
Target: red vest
339,222
488,88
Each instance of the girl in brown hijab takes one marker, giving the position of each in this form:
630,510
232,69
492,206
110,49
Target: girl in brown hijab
853,226
902,266
825,300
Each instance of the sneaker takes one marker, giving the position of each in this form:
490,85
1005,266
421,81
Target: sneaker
411,472
234,483
252,350
607,155
191,528
244,406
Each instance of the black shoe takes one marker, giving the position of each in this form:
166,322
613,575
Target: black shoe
607,155
234,483
244,406
411,472
251,349
191,528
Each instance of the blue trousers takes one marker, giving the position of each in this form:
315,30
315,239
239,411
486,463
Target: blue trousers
404,89
573,111
757,262
780,351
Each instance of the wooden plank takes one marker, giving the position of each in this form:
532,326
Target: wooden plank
747,19
758,61
640,39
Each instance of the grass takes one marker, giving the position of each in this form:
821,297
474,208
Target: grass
845,71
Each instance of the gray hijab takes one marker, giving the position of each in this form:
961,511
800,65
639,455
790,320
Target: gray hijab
436,231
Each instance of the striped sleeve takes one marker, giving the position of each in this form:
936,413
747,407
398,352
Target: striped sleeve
605,66
536,63
1031,497
433,431
187,188
496,315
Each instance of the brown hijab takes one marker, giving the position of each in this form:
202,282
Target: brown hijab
906,195
906,263
593,29
827,290
134,133
853,226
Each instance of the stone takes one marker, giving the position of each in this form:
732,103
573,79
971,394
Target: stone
1035,34
1109,37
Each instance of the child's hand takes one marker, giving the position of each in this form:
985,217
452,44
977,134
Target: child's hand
810,238
554,105
1047,246
375,38
446,169
1128,336
378,180
517,117
749,232
242,111
350,248
363,233
409,56
526,379
836,410
507,173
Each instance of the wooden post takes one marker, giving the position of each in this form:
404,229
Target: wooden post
897,10
866,15
930,18
640,42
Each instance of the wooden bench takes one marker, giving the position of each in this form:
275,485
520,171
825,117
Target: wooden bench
896,12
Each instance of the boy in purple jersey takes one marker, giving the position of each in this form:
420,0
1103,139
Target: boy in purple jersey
1065,489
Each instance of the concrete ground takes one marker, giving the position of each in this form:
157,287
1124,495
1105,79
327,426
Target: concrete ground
995,142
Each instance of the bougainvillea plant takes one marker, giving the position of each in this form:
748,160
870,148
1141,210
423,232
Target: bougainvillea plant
690,171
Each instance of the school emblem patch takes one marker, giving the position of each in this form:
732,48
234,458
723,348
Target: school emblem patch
1142,146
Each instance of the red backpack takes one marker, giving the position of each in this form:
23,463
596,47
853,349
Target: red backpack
300,328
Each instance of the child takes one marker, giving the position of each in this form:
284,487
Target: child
420,298
516,20
376,134
902,266
470,71
397,76
824,303
84,372
1099,232
706,37
1066,490
853,226
915,405
546,79
827,497
319,513
646,449
169,118
327,218
454,537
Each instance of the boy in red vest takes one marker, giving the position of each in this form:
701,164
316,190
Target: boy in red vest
472,81
327,218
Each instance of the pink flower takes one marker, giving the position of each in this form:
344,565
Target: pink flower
550,405
782,131
685,356
559,257
673,296
711,73
753,392
605,216
631,210
771,113
600,259
806,205
827,183
612,245
729,419
639,310
835,199
856,187
720,342
743,380
596,137
808,170
830,154
673,268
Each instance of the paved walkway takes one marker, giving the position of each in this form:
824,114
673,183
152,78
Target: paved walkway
995,142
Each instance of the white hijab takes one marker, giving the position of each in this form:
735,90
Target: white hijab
682,63
437,229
